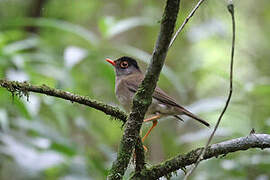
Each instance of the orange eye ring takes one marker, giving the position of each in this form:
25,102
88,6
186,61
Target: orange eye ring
124,64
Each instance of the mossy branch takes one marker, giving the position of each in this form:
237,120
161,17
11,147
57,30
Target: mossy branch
143,97
220,149
23,89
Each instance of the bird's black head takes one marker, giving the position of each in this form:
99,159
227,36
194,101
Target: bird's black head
125,66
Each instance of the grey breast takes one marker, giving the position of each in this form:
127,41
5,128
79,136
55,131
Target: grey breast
123,94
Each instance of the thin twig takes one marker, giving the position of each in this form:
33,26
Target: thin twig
230,8
185,21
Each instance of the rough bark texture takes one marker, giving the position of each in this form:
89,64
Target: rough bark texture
139,158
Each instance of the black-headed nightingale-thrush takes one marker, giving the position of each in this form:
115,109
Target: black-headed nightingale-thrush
128,79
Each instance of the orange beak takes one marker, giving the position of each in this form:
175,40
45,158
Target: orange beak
110,61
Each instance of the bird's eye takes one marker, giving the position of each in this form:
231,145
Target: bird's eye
124,64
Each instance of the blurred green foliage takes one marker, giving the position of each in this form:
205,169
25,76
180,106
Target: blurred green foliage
49,138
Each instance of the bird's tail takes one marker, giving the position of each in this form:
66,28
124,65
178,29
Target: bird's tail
187,113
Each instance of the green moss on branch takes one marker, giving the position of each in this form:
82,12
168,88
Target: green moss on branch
23,89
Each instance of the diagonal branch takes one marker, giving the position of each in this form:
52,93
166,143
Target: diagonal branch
143,97
24,88
181,161
186,21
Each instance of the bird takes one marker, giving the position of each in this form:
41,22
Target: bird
127,80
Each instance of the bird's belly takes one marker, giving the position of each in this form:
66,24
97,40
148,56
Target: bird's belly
125,97
126,102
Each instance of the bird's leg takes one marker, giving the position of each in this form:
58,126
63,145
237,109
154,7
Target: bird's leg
152,118
148,132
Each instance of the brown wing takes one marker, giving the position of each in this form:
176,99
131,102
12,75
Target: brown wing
161,96
133,83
